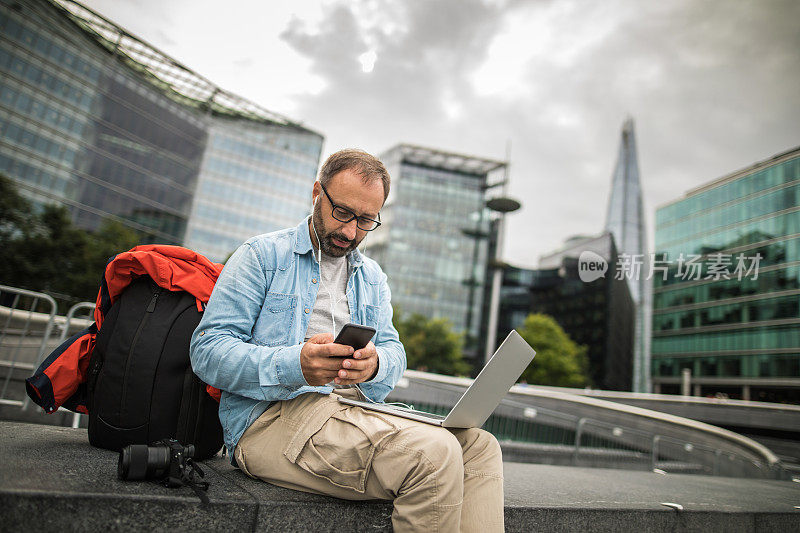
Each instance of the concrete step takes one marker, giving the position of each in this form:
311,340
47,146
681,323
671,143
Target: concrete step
51,479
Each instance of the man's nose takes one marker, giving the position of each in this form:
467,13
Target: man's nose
349,229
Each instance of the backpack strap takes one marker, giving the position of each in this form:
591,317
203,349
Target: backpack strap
185,477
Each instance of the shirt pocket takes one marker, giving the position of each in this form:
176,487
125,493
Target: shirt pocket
371,314
275,322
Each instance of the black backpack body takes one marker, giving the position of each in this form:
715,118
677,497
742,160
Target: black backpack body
141,387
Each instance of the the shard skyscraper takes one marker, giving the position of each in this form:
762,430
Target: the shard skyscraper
625,220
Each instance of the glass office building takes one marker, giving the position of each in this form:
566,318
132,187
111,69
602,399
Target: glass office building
97,120
599,313
254,178
729,310
433,241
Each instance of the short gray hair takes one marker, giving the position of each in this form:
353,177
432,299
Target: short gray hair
366,165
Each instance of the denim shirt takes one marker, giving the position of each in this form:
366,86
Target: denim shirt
249,339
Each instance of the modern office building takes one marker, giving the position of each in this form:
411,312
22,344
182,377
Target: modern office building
625,220
97,120
729,309
255,177
597,313
433,245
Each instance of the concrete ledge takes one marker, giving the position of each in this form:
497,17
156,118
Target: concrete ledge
51,479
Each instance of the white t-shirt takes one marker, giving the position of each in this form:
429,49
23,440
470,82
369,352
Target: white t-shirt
330,297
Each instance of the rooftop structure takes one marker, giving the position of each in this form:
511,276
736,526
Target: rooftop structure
180,82
430,157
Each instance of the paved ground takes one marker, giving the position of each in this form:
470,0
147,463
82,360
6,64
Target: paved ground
51,479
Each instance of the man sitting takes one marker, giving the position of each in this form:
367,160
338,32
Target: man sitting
266,340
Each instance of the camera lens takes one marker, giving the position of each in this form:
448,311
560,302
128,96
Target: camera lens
124,463
132,462
139,461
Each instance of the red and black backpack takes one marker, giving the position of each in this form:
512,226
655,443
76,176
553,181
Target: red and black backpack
130,371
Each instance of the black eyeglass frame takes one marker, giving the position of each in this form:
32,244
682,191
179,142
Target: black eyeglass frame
357,218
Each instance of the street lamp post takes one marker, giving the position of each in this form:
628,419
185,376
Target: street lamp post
472,349
501,205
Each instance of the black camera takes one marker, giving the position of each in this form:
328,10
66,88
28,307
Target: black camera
166,459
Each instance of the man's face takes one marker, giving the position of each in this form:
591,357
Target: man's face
348,190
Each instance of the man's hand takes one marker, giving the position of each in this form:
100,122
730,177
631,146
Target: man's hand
321,362
318,359
362,367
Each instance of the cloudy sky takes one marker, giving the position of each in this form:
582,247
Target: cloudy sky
713,85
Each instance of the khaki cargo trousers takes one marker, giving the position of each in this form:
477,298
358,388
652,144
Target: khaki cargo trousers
440,479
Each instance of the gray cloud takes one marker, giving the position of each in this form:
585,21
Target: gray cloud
712,87
434,47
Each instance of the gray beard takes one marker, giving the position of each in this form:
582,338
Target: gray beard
325,240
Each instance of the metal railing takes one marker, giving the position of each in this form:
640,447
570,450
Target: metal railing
27,323
79,307
71,318
568,436
30,329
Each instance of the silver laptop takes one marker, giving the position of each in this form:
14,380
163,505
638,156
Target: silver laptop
481,398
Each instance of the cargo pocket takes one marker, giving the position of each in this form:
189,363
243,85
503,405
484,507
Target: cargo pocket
341,447
255,431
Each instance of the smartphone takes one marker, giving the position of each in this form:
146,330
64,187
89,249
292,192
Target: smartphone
354,335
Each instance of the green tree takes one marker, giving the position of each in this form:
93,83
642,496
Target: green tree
431,345
559,362
13,209
43,251
110,239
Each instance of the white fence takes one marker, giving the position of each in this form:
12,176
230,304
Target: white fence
30,329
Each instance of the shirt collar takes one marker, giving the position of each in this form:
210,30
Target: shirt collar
303,244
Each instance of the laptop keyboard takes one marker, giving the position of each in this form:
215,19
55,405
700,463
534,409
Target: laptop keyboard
399,408
422,413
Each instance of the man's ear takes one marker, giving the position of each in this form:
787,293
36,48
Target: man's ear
316,191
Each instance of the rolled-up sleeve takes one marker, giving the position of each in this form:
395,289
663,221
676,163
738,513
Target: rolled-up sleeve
391,354
222,352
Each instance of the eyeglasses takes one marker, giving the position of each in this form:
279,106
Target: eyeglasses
342,214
